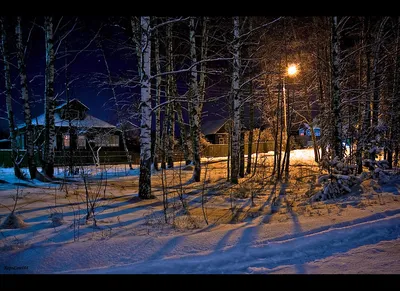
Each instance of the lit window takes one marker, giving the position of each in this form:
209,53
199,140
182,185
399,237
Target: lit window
81,142
66,140
107,141
114,141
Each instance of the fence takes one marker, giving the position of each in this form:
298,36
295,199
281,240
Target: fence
77,158
119,157
221,150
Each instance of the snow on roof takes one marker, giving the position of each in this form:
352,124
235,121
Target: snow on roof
212,126
71,101
88,121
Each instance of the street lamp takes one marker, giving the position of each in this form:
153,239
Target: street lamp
291,72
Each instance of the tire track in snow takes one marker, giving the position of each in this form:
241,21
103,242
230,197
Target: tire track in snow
287,250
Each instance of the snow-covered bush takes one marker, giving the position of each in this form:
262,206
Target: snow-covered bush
377,170
12,221
338,182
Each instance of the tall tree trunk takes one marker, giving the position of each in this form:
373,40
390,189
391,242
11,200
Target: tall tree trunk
10,113
251,132
241,146
183,133
375,78
366,125
70,128
251,111
158,100
276,134
145,112
195,113
288,130
336,98
49,137
236,103
25,96
359,145
203,65
395,114
170,117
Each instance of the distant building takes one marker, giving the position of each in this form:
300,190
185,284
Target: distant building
75,129
304,135
216,131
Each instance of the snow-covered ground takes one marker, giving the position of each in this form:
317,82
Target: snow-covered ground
282,233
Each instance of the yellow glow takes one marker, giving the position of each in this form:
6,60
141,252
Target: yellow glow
292,70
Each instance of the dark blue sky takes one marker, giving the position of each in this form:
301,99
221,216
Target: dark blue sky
87,63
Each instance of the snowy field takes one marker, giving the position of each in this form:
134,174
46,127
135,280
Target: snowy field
281,233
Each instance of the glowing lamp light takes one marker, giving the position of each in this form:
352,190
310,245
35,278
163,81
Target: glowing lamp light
292,70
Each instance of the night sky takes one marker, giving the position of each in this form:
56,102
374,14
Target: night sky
87,63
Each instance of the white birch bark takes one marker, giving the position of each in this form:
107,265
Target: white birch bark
48,167
236,102
170,116
158,99
336,120
145,110
25,96
194,104
10,113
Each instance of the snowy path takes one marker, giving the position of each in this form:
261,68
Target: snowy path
252,248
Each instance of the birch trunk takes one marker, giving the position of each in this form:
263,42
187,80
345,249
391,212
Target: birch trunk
170,117
183,133
236,103
145,124
203,65
251,115
195,113
336,120
10,113
241,145
25,96
48,167
158,100
375,78
395,105
366,125
251,133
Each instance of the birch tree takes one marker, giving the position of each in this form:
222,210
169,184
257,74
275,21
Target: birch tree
236,102
157,112
336,98
49,127
10,113
29,133
145,108
194,103
169,117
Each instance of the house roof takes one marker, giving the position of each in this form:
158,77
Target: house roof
212,126
87,122
71,101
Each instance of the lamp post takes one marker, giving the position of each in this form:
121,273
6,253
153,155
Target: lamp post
291,72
